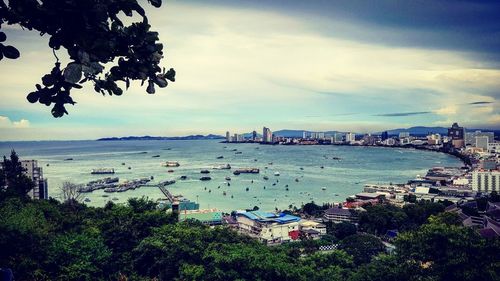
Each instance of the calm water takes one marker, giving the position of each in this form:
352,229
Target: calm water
358,165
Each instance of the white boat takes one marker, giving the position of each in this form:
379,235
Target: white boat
323,188
276,173
171,164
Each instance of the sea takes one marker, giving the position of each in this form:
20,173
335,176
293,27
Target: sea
319,173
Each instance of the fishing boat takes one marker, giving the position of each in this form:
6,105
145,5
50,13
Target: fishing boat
266,178
170,171
205,178
183,177
205,172
227,178
220,157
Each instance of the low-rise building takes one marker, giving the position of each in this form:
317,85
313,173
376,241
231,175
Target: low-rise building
270,228
338,215
206,216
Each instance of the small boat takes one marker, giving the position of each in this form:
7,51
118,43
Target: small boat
274,184
209,191
222,167
183,177
301,168
247,189
123,163
296,180
232,196
276,173
255,160
336,194
170,171
224,193
48,164
151,177
228,184
264,187
322,167
266,178
171,164
220,157
238,152
155,156
228,178
205,178
270,163
286,185
323,188
87,200
286,189
115,199
68,159
105,195
130,168
102,171
205,172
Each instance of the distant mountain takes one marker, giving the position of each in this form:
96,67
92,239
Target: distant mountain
422,130
190,137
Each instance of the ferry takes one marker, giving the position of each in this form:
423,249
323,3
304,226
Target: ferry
171,164
102,171
247,171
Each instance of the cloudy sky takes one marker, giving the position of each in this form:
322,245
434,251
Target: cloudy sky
316,65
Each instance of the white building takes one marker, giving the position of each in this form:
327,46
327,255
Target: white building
269,228
434,139
337,137
35,173
350,137
228,136
486,181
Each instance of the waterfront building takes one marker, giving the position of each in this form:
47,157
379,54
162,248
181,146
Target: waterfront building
206,216
470,137
481,142
228,136
434,139
350,137
304,135
337,137
457,134
254,135
404,135
270,228
486,181
389,142
338,215
35,173
267,135
384,135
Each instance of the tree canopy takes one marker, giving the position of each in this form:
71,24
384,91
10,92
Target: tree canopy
95,38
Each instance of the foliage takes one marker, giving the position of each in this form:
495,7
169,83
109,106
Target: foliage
13,181
362,247
341,230
94,36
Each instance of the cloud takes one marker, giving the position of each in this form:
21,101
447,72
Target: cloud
480,102
398,114
6,123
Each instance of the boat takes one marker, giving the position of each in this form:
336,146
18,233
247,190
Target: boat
155,156
301,168
68,159
129,167
105,195
286,189
123,163
270,163
238,152
222,167
220,157
266,178
336,194
205,172
205,178
48,164
115,198
247,189
151,177
102,171
87,200
228,178
171,164
323,188
296,180
170,171
224,193
276,173
183,177
247,171
165,183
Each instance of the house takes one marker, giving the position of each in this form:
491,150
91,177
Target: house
207,216
312,229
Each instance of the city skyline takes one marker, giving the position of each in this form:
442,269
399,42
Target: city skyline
317,67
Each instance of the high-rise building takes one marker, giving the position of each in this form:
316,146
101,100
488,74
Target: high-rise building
384,136
267,135
228,136
254,135
434,139
486,181
457,134
35,173
304,135
350,137
470,137
482,142
337,137
403,135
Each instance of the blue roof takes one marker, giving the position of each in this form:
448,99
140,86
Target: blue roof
270,217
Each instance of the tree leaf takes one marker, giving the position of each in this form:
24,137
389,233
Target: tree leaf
73,73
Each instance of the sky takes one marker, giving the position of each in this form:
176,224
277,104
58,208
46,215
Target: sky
361,66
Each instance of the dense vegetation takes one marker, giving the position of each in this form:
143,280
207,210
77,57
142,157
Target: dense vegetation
95,36
50,240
